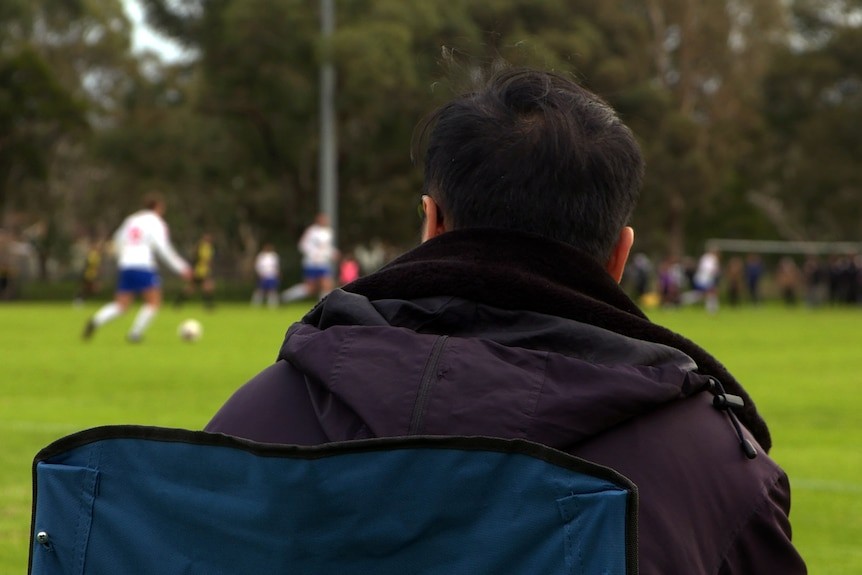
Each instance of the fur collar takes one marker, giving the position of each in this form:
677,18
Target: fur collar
519,271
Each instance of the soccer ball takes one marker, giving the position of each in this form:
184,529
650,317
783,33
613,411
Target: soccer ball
190,330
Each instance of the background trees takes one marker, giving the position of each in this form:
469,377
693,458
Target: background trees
812,105
745,109
61,64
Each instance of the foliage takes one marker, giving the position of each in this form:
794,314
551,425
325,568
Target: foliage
61,64
744,109
669,68
35,111
813,104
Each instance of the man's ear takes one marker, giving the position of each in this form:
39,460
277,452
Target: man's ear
620,254
433,224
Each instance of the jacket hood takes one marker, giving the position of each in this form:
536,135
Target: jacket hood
520,271
382,369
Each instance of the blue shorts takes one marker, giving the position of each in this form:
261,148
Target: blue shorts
267,284
705,285
316,272
138,280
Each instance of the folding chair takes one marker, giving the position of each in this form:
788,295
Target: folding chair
147,500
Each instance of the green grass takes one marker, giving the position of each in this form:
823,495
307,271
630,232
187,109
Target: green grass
803,368
52,384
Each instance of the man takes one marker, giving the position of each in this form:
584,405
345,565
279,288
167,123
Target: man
318,253
508,321
91,271
268,268
202,274
140,239
7,265
706,279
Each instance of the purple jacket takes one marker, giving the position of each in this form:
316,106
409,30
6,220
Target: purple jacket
474,334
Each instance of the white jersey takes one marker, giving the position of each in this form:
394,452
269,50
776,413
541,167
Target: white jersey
316,246
140,238
707,271
266,265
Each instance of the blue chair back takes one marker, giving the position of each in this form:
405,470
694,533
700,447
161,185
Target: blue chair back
146,500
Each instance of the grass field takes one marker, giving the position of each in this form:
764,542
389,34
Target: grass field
803,368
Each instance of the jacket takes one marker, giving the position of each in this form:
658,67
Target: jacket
485,332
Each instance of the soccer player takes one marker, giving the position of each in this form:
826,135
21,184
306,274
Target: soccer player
268,268
706,279
91,273
318,252
202,278
141,238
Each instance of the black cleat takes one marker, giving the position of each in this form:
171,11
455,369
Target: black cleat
134,338
89,330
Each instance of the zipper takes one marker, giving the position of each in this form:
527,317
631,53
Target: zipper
429,375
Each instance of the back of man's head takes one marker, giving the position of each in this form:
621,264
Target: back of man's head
533,151
154,201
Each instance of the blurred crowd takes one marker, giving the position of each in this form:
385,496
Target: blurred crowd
745,279
712,279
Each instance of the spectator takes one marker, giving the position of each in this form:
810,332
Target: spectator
509,321
734,280
753,274
788,279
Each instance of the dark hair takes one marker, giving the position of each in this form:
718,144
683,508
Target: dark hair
535,152
153,199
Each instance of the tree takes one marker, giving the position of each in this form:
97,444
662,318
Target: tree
707,60
813,97
61,62
686,75
394,61
35,112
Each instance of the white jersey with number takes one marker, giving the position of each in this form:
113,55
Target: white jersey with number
266,265
316,246
141,238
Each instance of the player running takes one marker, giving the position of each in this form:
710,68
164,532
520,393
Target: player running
141,237
318,253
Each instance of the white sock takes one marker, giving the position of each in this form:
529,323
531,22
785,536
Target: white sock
272,299
256,297
106,313
712,303
143,319
296,292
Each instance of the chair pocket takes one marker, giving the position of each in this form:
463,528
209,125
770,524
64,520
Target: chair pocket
62,519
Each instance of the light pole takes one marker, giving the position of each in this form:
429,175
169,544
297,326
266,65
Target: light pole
328,164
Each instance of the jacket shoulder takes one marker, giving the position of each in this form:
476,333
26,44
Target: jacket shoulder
272,407
726,513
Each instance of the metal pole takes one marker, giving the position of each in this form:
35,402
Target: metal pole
328,164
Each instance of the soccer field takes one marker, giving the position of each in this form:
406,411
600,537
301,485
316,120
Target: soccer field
802,367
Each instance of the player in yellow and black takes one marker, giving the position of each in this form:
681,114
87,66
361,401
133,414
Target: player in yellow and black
202,276
91,273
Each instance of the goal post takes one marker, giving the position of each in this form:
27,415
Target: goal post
783,247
